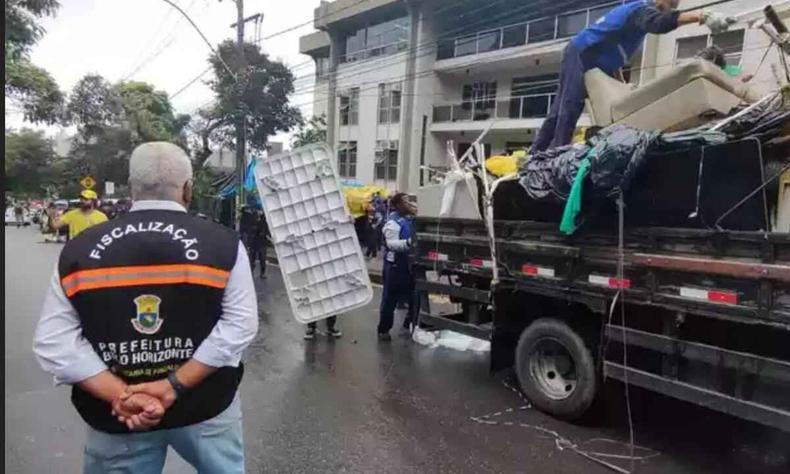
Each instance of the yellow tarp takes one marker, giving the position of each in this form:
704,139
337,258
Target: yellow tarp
504,165
358,198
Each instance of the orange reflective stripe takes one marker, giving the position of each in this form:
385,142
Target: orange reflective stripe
144,268
144,275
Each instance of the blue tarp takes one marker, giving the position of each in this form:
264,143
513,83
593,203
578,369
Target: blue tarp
229,190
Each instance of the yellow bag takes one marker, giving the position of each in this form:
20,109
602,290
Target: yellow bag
359,198
500,165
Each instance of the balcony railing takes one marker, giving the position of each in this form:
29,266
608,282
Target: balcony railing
530,32
521,107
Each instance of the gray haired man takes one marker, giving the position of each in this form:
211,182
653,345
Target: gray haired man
146,317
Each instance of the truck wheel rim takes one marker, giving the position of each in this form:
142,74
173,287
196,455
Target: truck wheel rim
552,368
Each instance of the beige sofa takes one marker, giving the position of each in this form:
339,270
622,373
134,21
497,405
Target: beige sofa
687,96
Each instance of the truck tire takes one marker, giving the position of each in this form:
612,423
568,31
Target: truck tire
556,369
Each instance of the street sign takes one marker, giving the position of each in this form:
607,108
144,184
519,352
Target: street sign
109,188
88,182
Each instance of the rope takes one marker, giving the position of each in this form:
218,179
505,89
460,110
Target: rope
620,277
562,443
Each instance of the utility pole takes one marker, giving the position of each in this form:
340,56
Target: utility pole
241,129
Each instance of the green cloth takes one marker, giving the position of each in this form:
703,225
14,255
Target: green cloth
732,70
574,205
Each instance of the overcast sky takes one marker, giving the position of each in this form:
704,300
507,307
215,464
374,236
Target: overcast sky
150,41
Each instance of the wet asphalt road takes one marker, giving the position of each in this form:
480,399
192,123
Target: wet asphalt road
354,405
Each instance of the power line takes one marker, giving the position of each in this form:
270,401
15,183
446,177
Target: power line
162,46
310,76
208,43
430,71
394,59
150,43
273,35
301,25
189,84
427,45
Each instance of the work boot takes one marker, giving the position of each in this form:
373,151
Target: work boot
384,337
309,333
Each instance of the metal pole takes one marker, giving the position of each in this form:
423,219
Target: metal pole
241,135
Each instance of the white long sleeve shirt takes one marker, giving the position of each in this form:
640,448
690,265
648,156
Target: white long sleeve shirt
394,243
63,351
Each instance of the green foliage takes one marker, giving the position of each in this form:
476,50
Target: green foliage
113,119
148,111
21,25
28,85
34,90
94,106
265,86
314,131
28,161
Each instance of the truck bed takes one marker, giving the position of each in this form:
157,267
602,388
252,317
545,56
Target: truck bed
708,312
737,275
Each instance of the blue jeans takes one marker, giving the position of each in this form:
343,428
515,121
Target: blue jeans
559,126
213,446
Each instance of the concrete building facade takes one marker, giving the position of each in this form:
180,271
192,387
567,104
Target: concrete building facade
399,79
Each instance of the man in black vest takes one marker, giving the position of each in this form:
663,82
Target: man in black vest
146,316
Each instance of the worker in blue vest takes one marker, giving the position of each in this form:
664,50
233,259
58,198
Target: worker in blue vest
608,44
398,277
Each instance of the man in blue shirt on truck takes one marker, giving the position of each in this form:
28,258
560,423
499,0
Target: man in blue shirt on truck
608,44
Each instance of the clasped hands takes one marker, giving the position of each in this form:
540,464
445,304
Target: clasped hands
141,407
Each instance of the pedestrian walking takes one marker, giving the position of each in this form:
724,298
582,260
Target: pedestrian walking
19,214
260,243
78,220
255,235
331,328
372,226
146,317
397,275
608,45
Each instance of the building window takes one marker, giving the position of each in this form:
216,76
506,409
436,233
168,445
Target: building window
347,159
730,43
386,165
380,39
349,107
531,96
479,97
569,25
389,103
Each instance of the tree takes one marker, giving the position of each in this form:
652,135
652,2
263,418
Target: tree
314,131
34,90
203,130
22,30
113,119
149,113
94,106
30,86
265,86
28,158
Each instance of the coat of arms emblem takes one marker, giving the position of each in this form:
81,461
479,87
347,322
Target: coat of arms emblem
147,320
